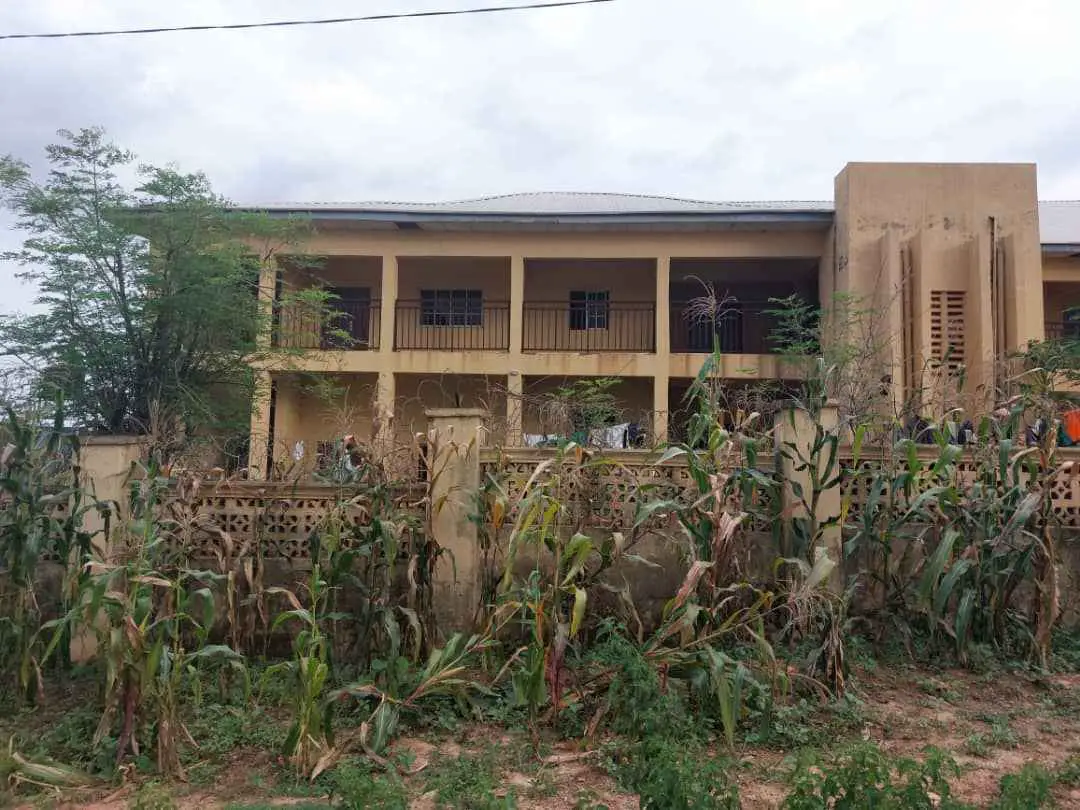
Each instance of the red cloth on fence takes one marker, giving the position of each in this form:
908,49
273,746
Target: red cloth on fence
1071,420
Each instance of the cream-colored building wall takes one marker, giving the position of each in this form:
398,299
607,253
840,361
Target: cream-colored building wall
489,275
417,393
346,271
630,284
944,217
634,397
1059,296
312,410
300,326
562,244
1061,268
627,280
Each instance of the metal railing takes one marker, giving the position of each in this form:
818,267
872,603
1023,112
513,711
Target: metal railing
338,325
1059,330
588,326
743,327
417,326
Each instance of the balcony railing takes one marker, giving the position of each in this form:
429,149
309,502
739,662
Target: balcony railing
418,326
339,325
588,326
1059,330
741,328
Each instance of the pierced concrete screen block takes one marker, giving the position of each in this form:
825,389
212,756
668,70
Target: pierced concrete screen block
947,328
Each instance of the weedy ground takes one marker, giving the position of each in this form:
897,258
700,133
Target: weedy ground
1001,723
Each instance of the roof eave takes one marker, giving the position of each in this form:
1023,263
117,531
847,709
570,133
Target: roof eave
1061,248
616,218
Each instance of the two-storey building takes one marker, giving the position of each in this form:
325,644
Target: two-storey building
496,301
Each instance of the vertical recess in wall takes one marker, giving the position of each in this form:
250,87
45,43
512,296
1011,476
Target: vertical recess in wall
907,336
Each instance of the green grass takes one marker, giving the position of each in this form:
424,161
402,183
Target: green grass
468,782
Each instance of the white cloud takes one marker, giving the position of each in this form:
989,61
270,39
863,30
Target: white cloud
686,97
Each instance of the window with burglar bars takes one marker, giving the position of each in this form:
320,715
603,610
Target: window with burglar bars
451,307
588,310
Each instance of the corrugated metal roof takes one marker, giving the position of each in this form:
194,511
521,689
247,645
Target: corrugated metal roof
564,203
1059,220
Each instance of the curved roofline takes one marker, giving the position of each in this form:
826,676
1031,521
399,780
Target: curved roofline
1059,220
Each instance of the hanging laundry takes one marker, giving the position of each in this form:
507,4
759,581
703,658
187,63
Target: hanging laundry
1071,420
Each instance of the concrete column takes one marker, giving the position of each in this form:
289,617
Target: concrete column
259,442
515,391
1022,259
661,410
663,309
267,289
662,369
454,477
388,293
796,433
382,426
517,302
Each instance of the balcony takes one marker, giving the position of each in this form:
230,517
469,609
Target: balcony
588,326
341,325
743,327
1062,330
483,326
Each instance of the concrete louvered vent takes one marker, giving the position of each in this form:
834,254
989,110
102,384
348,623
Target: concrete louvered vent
947,328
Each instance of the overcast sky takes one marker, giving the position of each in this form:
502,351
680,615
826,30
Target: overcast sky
709,99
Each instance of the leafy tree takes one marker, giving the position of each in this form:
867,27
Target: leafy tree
148,314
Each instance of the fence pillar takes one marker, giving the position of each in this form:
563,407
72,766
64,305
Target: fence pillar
796,433
105,465
104,470
454,478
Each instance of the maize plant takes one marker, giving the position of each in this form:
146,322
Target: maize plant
41,512
150,619
311,734
566,555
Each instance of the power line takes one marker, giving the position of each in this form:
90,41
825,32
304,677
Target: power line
287,23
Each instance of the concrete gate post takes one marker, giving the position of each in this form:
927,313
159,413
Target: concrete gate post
795,433
454,436
105,464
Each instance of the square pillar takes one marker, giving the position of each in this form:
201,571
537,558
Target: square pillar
662,368
388,305
517,302
259,441
515,392
663,309
796,434
454,465
268,273
382,425
660,409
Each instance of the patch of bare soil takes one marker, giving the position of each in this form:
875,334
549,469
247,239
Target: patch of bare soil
991,724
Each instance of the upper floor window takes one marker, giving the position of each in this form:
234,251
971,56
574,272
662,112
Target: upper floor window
451,307
589,310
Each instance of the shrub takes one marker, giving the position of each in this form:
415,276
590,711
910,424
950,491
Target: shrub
468,783
864,776
358,787
1028,789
